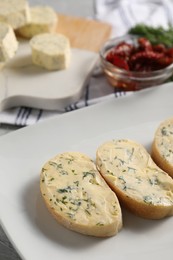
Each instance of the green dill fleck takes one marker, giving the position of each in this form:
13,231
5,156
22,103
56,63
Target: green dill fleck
76,202
85,174
138,179
70,215
148,199
77,183
62,172
69,160
99,224
52,179
131,169
124,187
109,172
67,189
93,181
87,211
56,165
93,204
122,162
121,178
64,200
154,181
84,193
130,153
73,209
164,131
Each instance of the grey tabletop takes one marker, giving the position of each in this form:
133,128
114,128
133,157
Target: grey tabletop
83,8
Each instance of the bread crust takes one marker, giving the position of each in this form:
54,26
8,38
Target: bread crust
162,146
112,221
135,196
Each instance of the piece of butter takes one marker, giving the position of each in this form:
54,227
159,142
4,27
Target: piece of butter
50,51
14,12
8,43
43,19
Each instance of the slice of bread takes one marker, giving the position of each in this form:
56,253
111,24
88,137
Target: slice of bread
78,197
162,147
138,182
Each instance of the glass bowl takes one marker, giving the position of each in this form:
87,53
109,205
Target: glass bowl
130,80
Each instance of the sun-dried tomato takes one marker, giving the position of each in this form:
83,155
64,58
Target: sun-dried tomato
147,60
164,62
110,56
144,44
143,57
117,61
169,52
159,48
123,49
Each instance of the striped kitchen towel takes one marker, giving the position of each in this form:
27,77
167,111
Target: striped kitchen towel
122,15
96,91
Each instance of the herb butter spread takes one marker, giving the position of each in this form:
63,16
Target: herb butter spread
43,19
8,42
14,12
162,148
51,51
138,181
78,196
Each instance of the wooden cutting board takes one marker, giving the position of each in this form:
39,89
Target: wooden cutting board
84,33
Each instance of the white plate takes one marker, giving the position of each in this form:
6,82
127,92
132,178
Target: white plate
24,84
33,231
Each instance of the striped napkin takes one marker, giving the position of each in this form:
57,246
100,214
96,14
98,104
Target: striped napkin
122,15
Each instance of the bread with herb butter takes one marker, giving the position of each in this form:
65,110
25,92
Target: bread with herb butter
162,147
50,51
138,182
43,19
14,12
8,43
78,197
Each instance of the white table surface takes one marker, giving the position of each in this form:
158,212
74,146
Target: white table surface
83,8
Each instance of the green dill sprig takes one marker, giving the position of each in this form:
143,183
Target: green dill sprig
156,35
